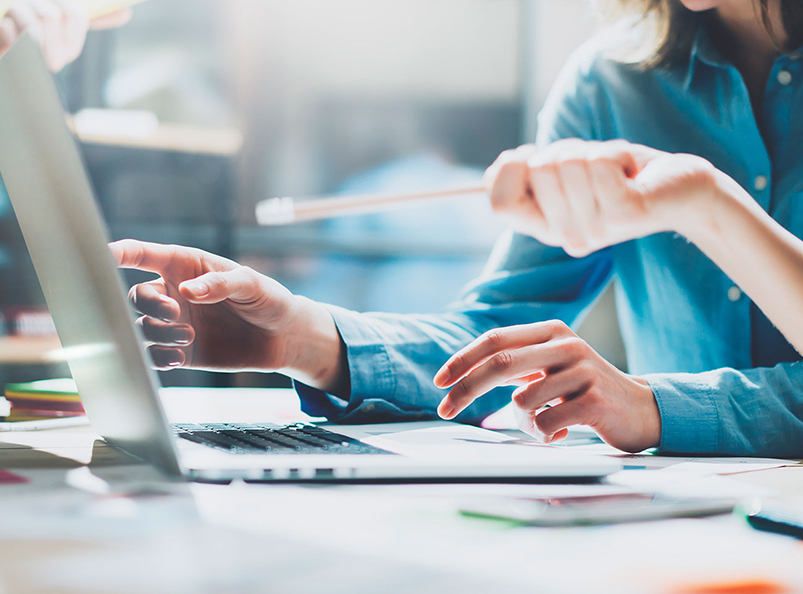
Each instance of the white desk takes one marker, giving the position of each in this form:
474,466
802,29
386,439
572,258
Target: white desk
117,527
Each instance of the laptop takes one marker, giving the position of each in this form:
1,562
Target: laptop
67,240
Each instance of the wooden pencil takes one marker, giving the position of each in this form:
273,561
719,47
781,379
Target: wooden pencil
286,211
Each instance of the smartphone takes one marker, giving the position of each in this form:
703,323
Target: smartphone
594,509
778,520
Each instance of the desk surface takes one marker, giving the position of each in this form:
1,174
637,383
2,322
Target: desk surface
117,526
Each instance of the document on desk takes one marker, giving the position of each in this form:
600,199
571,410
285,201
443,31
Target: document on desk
94,8
701,465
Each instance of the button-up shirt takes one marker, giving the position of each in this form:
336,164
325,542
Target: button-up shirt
725,380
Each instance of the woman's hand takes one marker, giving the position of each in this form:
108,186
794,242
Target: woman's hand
59,26
554,367
584,196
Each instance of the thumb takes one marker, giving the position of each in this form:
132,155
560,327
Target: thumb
643,156
240,285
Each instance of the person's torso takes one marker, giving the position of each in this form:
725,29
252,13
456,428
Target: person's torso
679,311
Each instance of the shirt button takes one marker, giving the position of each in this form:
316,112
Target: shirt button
734,294
784,77
760,183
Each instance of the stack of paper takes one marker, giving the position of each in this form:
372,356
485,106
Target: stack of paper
47,399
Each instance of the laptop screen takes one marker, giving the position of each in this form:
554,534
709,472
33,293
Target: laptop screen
67,241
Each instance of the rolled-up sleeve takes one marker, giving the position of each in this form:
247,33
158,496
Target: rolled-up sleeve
755,412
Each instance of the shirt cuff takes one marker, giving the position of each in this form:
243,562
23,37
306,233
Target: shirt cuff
369,369
689,418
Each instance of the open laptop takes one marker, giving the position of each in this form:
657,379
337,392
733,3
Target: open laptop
67,239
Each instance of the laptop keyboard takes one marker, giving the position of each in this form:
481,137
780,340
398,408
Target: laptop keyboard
273,439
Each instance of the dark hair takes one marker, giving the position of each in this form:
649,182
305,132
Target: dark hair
672,26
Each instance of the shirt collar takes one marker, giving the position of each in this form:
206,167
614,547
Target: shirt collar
703,51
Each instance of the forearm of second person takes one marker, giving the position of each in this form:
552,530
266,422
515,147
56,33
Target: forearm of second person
756,252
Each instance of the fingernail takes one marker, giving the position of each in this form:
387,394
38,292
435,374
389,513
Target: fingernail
198,288
442,378
446,411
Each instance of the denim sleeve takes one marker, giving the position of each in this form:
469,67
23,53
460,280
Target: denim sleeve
756,412
393,358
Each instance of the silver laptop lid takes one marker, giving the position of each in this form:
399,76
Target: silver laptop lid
67,239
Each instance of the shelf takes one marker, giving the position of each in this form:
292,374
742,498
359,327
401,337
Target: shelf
29,351
176,138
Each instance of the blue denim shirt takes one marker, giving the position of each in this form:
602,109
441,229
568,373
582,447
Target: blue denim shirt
688,331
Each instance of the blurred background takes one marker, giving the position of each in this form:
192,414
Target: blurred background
198,109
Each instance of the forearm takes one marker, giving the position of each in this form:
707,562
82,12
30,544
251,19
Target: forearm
762,257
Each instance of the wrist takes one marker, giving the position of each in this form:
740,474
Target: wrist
315,352
651,425
705,203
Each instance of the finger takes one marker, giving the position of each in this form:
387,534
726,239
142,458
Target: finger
142,255
642,156
621,204
241,285
582,203
525,420
527,379
25,19
562,434
491,343
609,181
560,417
74,28
163,259
565,384
51,20
165,358
112,21
151,299
506,181
8,34
550,196
165,334
497,370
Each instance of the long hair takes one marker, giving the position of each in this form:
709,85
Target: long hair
671,27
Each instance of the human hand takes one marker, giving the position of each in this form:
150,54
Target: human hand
59,26
553,366
584,196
